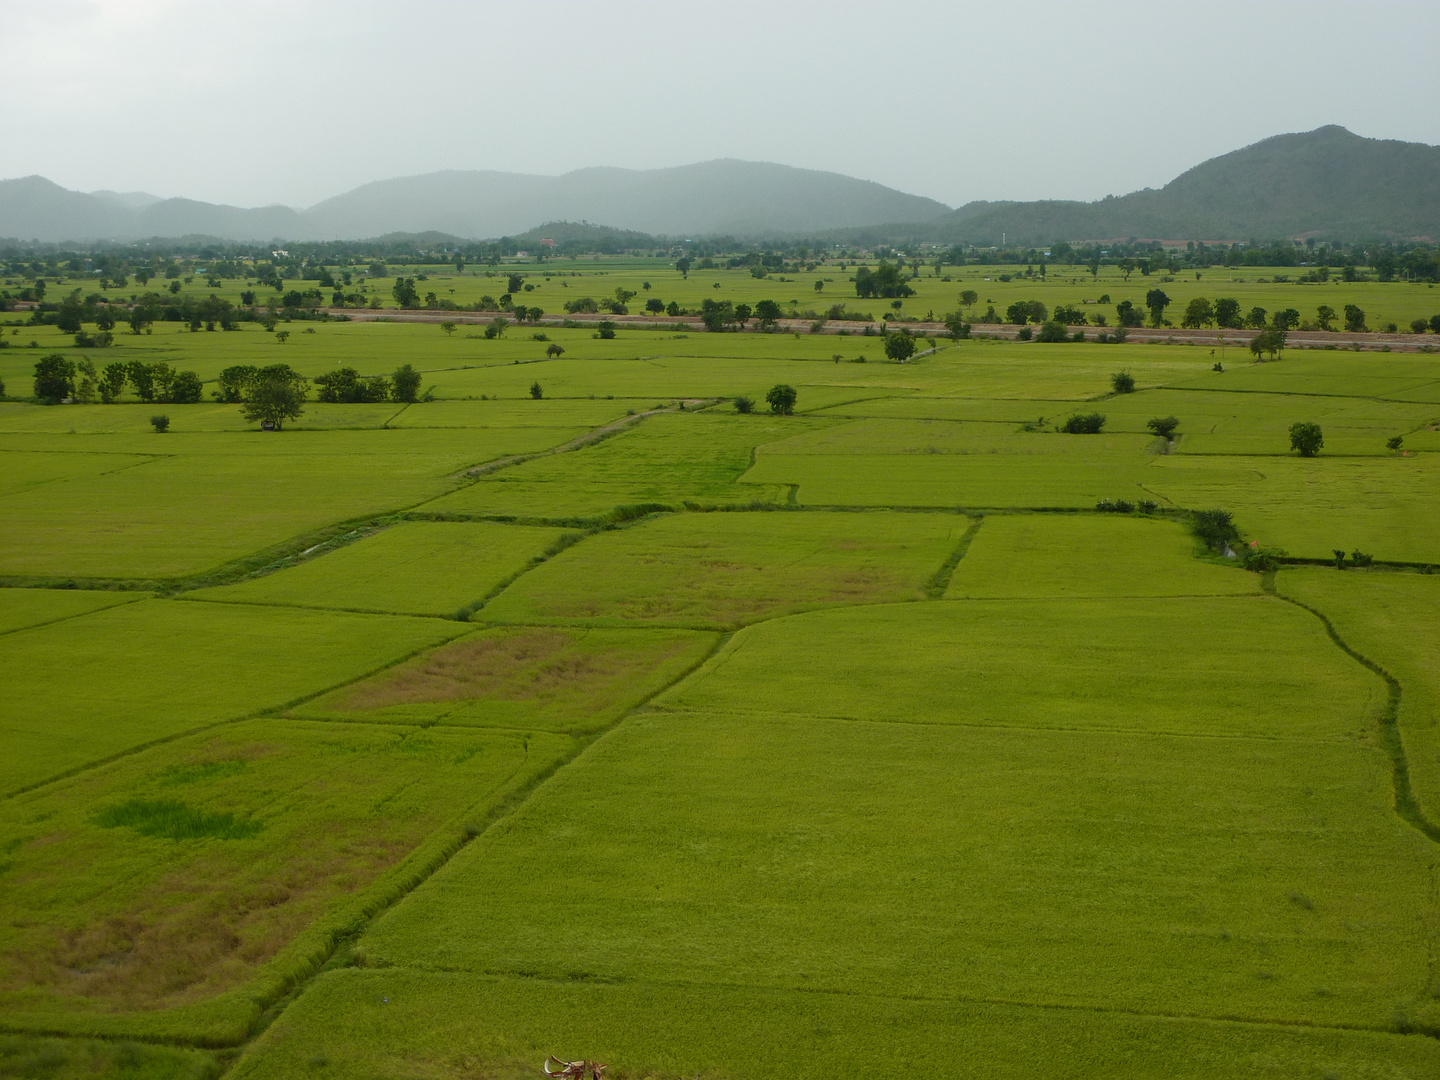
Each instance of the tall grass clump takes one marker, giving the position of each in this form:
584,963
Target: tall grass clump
173,820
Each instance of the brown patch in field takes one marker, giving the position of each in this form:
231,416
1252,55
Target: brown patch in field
731,594
204,930
485,666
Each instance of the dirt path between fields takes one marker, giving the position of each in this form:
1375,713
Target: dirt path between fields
1298,339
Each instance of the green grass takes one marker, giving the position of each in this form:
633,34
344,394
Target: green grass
1238,666
1309,507
724,570
1076,473
372,1025
948,863
542,678
413,568
196,885
217,496
140,672
1068,555
1394,620
665,459
87,1059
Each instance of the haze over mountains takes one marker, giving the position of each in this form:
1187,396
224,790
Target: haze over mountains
1328,182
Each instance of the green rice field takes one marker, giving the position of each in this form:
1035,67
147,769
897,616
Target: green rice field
907,733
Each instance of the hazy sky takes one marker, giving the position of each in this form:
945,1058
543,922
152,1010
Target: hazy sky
258,102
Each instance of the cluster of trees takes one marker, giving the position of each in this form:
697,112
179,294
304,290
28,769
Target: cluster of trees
885,281
72,313
721,315
240,383
58,378
1226,313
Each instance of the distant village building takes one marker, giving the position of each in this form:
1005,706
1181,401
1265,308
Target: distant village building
547,242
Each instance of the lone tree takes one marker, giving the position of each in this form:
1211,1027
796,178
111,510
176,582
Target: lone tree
956,326
969,298
276,395
782,399
1324,317
1123,382
54,378
535,391
1306,437
744,404
554,349
1157,302
1164,426
405,293
1355,319
900,345
768,313
405,383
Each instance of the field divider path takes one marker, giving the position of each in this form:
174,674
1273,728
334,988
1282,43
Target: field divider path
965,999
940,582
1391,740
63,618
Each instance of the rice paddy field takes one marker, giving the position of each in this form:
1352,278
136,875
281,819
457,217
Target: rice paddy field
903,733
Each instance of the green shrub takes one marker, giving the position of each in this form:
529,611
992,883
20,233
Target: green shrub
1054,332
1262,560
1163,426
1084,424
1123,382
1215,527
744,404
160,422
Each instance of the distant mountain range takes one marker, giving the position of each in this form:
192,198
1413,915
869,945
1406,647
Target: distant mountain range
716,197
1328,182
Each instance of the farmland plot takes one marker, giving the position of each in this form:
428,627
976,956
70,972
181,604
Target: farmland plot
206,882
413,568
722,570
841,779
